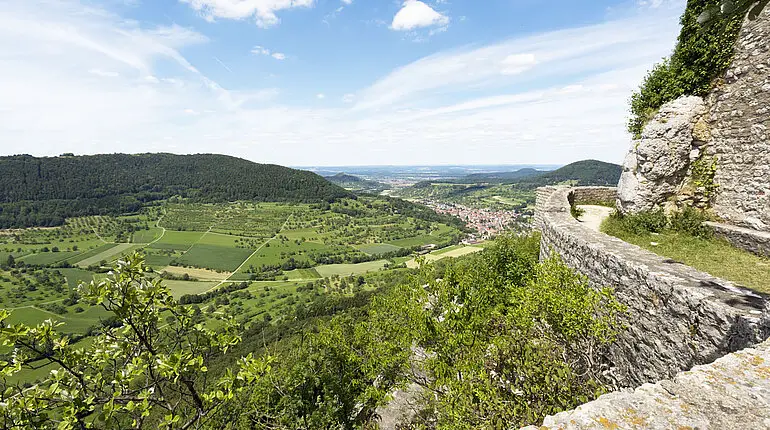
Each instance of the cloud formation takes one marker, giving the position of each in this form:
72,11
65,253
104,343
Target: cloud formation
415,14
83,80
262,11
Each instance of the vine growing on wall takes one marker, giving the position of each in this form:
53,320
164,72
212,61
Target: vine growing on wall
703,171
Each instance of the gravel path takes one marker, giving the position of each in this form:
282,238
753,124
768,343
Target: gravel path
594,215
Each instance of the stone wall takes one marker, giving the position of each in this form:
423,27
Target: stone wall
739,117
730,394
729,126
678,317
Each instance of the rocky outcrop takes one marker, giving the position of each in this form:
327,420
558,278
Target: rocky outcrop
657,168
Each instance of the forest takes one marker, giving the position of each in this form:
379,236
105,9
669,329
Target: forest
43,191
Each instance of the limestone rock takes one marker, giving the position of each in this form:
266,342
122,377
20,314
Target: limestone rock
656,167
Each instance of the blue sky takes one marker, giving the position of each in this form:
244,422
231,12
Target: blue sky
329,82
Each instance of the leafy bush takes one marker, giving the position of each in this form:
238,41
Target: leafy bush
653,221
701,55
690,221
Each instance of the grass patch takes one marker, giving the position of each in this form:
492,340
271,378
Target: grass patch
177,240
711,255
303,274
108,255
215,257
76,276
180,288
91,252
377,248
146,236
350,269
46,258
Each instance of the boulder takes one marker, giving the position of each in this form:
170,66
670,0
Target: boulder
657,165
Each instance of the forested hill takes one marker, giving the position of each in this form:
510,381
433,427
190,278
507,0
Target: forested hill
586,172
43,191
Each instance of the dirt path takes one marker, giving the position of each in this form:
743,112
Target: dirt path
594,215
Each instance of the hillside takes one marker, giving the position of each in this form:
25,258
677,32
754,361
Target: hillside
43,191
355,183
586,172
499,177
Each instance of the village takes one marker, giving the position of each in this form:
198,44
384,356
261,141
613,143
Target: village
487,223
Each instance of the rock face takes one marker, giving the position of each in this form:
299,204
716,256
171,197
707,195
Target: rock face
658,165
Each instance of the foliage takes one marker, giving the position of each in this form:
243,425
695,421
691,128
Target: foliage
701,55
729,8
687,220
703,171
509,340
653,221
148,370
690,221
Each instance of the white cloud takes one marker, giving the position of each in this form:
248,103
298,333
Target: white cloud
451,107
320,96
261,50
263,11
518,63
347,2
416,14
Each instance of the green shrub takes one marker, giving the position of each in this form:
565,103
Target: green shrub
701,55
653,221
690,221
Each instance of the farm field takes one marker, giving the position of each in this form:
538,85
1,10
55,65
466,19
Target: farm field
350,269
377,248
194,272
180,288
108,255
455,252
256,262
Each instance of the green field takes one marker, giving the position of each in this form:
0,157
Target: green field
108,255
76,276
303,274
180,288
377,248
146,236
214,257
350,269
46,258
177,240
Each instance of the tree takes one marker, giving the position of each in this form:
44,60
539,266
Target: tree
140,372
10,261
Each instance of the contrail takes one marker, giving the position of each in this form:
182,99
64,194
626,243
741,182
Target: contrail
223,64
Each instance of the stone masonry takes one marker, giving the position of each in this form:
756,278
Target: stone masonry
678,317
739,117
683,330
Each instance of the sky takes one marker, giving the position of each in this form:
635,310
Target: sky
329,82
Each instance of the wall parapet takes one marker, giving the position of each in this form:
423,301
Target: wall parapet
678,317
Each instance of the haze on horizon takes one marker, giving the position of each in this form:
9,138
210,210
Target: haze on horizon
329,82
